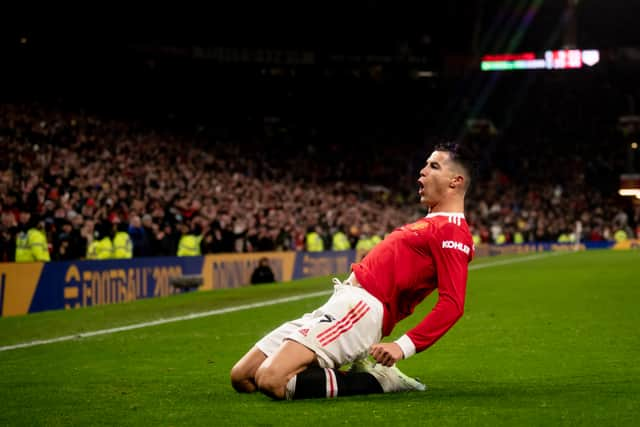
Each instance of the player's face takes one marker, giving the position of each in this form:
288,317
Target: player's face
435,178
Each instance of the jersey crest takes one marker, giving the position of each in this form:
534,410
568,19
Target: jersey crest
418,225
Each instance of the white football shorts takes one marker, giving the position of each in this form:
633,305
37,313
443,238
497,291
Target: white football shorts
339,332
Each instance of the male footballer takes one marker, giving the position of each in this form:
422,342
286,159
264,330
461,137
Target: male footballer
301,358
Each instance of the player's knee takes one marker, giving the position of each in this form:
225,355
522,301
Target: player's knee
270,382
241,380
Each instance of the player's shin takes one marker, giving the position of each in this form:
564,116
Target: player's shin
321,382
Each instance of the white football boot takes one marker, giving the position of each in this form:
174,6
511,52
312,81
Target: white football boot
391,378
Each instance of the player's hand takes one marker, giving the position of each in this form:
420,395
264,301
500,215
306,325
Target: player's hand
387,353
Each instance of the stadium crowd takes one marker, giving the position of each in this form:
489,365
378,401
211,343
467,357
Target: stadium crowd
83,179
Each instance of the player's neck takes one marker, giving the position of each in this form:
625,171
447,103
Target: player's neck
449,206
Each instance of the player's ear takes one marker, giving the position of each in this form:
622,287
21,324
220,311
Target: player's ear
456,181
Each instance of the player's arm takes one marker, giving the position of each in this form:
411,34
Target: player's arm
451,258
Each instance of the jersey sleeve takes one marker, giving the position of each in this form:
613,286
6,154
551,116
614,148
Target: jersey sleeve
451,257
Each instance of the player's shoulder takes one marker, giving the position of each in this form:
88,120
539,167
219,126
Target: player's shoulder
453,233
439,224
451,225
447,220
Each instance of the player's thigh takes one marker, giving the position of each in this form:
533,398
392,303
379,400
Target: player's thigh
270,343
290,359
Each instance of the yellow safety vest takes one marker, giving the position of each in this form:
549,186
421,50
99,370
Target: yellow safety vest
189,245
122,246
23,251
518,238
620,236
314,242
367,243
340,242
32,246
100,249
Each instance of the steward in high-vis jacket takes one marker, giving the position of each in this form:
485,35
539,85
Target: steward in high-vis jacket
340,241
101,247
122,245
189,244
31,241
313,240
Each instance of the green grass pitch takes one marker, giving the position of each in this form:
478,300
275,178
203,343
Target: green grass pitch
553,340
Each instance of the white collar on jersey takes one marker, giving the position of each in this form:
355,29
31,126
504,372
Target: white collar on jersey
454,214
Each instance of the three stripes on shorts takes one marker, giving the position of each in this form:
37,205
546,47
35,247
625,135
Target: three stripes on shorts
343,325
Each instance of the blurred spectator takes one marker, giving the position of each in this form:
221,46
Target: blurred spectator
262,273
101,246
122,245
339,240
313,239
149,245
8,232
189,243
139,239
31,241
167,240
69,243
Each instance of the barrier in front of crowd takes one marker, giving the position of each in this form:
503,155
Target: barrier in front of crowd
493,250
33,287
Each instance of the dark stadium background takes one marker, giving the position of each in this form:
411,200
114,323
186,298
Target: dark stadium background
334,78
125,52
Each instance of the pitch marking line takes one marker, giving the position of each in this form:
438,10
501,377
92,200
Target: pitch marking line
231,309
516,260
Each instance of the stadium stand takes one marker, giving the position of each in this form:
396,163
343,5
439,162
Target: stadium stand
76,172
254,146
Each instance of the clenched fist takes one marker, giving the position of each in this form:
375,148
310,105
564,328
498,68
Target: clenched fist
386,354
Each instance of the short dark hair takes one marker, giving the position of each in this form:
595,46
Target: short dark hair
462,155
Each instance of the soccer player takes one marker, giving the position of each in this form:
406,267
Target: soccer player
301,358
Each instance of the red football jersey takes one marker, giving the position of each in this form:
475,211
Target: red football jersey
412,261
